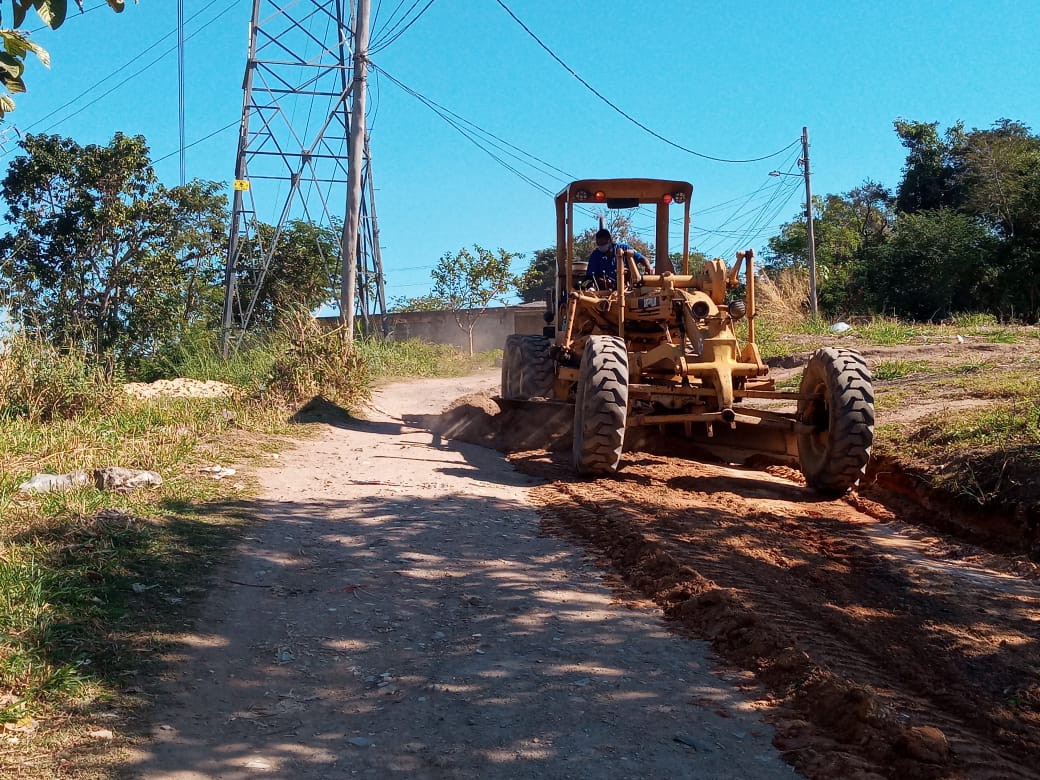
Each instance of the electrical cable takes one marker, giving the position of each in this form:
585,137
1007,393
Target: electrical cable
390,37
559,174
198,141
82,11
470,135
168,51
628,116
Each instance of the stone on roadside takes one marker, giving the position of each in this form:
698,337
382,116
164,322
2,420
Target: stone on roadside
117,478
218,472
927,743
46,483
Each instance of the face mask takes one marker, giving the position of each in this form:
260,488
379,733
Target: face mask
602,247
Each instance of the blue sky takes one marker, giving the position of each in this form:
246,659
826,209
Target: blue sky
736,80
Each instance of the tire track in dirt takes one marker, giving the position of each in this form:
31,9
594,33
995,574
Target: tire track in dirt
902,670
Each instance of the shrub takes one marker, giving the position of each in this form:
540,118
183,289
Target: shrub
312,361
40,382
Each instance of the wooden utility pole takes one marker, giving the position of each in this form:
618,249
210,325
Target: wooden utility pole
355,158
809,223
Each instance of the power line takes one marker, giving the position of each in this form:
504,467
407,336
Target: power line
390,36
628,116
471,137
43,27
197,142
132,76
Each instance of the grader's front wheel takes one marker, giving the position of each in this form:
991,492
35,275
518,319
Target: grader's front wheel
834,456
601,406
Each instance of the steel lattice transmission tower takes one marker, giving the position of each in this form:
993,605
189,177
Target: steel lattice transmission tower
292,155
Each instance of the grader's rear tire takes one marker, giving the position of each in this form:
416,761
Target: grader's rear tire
601,406
834,456
536,367
527,368
511,368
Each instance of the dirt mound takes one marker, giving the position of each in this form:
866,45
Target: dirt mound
180,388
480,419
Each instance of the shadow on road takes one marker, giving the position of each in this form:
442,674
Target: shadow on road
435,636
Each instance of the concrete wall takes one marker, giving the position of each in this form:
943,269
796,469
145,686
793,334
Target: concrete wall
490,333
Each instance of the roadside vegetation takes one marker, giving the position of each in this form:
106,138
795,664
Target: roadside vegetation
92,582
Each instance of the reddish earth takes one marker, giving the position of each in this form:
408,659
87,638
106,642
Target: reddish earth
887,648
884,650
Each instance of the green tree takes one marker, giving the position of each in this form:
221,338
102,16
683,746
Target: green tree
929,180
16,46
846,228
469,282
998,170
302,272
100,254
933,265
419,303
539,276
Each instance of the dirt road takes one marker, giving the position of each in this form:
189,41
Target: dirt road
886,649
397,610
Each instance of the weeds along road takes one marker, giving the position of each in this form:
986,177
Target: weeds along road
396,610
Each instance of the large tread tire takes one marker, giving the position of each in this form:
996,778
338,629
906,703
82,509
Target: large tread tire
537,372
834,457
511,358
601,406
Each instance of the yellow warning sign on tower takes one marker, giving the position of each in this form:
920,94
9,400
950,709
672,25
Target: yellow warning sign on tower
242,185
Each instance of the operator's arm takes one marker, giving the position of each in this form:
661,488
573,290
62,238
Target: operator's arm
641,260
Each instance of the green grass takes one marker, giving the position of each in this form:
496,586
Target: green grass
899,369
70,558
1001,425
791,383
817,326
1003,336
1001,384
415,358
974,319
973,366
886,331
772,340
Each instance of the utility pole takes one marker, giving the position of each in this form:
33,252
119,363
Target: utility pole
355,159
809,223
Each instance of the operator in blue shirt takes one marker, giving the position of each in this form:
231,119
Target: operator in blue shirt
603,265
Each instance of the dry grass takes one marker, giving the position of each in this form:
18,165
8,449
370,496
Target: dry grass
783,300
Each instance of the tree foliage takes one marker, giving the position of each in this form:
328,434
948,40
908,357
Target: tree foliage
540,276
16,46
466,284
846,227
303,267
100,254
962,230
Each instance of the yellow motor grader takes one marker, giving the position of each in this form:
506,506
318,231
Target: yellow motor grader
658,350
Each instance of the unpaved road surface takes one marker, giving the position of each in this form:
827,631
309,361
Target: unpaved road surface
887,649
397,610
